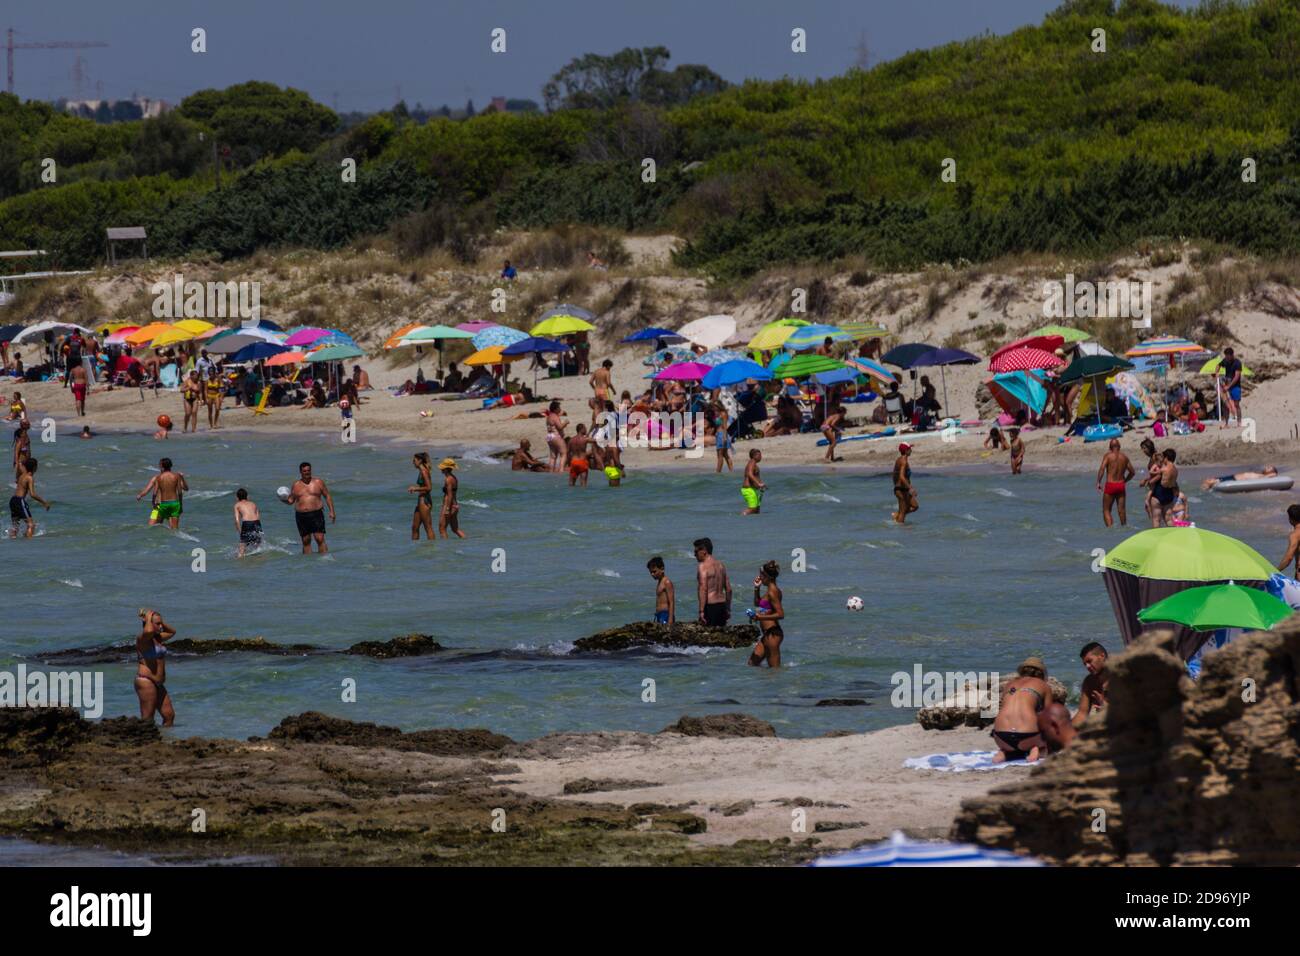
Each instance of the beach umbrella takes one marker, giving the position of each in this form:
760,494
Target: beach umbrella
195,327
1094,368
7,332
735,372
108,328
683,372
1213,606
257,351
171,337
119,337
668,355
802,366
718,356
904,355
530,345
1048,343
307,336
561,325
1164,345
334,353
653,334
1066,333
1092,348
37,331
1151,565
863,330
942,358
1213,367
773,335
869,368
1024,388
286,358
394,340
1023,359
490,356
212,333
570,311
839,376
899,850
478,325
712,331
433,333
237,339
811,336
147,333
497,335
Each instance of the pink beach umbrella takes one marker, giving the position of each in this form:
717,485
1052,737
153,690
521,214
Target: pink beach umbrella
476,326
684,372
307,336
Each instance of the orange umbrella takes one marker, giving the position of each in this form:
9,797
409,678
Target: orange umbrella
286,358
401,333
148,333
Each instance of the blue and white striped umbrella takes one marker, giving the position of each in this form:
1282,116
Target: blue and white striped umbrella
898,850
718,356
811,336
497,335
668,356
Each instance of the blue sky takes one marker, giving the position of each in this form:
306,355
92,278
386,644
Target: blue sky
357,54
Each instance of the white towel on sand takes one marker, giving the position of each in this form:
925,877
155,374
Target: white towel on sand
959,763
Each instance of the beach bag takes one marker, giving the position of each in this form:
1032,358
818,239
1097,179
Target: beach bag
1158,429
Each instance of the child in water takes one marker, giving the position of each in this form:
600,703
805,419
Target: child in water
1017,451
665,598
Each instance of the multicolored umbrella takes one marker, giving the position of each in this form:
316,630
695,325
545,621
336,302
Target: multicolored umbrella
683,372
804,365
147,333
498,335
811,336
561,325
395,339
1048,343
478,325
899,850
1214,606
863,330
719,356
119,337
1164,345
873,369
668,355
1152,565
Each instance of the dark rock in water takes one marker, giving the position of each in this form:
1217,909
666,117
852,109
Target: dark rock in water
842,702
412,645
681,634
255,645
40,733
587,785
317,728
838,733
86,655
722,725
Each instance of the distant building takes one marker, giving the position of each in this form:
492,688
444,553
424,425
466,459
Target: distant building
137,107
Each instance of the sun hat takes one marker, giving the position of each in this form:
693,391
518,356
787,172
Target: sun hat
446,464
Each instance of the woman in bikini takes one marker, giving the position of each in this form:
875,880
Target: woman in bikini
214,392
423,517
151,667
1015,729
769,615
190,392
555,425
449,517
903,490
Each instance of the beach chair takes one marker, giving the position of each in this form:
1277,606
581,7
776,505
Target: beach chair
893,409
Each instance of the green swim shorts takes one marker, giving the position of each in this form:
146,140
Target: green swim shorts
167,509
751,497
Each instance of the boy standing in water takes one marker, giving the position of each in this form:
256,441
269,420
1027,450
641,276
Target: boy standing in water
248,522
665,597
19,509
167,485
752,487
1017,451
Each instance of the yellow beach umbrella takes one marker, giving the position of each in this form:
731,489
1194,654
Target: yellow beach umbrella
771,337
171,337
490,356
148,333
560,325
193,326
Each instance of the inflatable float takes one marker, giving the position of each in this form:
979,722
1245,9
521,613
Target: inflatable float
1102,432
1276,483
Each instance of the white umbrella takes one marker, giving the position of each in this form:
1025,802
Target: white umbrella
712,331
38,331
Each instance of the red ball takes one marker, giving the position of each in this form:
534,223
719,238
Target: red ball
164,421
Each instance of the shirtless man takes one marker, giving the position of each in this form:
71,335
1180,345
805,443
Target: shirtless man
1021,700
1118,471
22,446
248,522
19,509
305,496
78,377
714,588
1055,728
751,486
1092,696
576,456
1164,489
1292,557
523,460
167,487
1268,471
601,384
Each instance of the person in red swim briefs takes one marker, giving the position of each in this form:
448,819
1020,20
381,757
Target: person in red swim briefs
578,447
78,378
1117,470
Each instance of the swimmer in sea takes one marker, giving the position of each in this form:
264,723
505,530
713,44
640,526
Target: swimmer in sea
665,596
1118,472
151,667
305,495
19,509
248,522
577,448
903,490
423,516
449,516
751,486
168,486
769,613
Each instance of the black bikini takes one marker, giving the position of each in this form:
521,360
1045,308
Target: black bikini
1012,738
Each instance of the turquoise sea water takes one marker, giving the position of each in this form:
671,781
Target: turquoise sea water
992,568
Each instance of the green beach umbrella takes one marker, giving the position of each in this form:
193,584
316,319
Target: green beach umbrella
801,366
1213,365
1188,554
431,333
1219,605
335,353
1071,335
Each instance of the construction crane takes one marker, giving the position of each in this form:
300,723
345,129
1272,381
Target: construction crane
10,46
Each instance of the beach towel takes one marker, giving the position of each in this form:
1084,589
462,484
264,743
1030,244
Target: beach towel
169,377
962,762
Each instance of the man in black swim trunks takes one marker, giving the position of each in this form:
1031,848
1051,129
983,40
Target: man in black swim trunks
305,496
714,588
248,522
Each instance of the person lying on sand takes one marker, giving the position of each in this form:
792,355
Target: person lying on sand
1268,471
1021,701
1092,696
